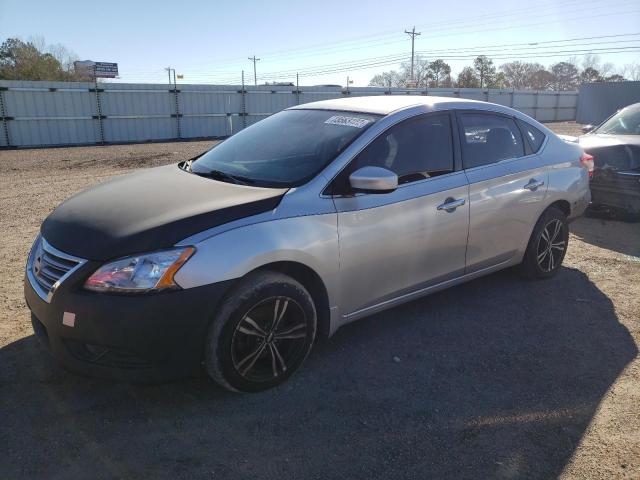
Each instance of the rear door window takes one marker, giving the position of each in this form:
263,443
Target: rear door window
487,138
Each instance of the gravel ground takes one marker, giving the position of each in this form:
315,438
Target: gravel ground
497,378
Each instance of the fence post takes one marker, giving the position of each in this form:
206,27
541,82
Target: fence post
98,106
229,116
5,125
535,105
555,111
177,102
244,105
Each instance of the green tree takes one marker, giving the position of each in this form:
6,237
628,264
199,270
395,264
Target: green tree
565,76
485,70
498,81
520,75
590,75
402,78
28,61
388,79
616,77
439,74
541,80
467,78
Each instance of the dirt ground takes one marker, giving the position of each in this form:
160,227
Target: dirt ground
497,378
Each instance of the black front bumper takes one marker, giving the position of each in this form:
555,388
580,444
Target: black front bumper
149,337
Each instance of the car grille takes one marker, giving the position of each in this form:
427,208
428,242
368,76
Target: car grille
48,267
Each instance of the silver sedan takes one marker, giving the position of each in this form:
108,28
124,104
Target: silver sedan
312,218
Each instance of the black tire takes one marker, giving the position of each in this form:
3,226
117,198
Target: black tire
272,298
547,246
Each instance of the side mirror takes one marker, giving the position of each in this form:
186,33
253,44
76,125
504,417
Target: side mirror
587,128
373,180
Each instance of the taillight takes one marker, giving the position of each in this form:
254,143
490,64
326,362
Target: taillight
586,161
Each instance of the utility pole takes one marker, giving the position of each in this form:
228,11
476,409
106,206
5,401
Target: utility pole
349,82
175,97
169,70
413,35
255,77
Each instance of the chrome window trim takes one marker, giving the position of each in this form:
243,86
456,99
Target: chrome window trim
47,247
506,161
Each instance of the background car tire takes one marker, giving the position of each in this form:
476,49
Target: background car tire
244,324
543,256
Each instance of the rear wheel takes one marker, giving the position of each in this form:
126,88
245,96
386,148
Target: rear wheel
547,246
262,333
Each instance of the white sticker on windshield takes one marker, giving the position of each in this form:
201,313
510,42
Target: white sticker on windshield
347,121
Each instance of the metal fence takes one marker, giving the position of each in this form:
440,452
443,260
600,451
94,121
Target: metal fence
75,113
600,100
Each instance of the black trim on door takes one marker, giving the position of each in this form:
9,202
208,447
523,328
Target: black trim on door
457,146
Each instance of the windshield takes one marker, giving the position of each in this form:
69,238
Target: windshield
284,150
625,122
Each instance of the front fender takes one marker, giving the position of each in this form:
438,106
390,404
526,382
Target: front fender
310,240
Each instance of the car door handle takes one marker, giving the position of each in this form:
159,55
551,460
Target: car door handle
450,204
534,184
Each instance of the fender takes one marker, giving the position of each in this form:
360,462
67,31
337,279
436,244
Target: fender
311,240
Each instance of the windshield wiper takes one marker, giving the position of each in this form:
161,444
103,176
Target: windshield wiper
223,176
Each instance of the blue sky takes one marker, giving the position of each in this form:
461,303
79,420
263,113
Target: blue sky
209,41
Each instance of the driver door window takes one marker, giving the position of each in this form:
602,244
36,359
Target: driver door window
415,149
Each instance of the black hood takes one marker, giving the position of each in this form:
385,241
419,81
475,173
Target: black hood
617,152
148,210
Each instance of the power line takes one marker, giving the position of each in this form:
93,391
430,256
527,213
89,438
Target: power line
336,46
365,66
521,48
218,72
270,75
436,31
394,58
397,57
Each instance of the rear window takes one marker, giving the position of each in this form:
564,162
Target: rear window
534,136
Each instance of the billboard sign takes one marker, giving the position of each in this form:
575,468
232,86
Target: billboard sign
97,69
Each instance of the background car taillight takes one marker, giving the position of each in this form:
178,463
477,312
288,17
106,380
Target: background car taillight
586,161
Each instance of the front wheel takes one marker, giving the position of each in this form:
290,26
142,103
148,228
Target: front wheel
262,333
547,246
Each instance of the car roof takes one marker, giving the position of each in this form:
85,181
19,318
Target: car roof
385,104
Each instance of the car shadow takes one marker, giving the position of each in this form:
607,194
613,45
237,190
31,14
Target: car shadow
596,230
497,378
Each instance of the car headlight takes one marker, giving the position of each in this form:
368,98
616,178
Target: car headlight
140,273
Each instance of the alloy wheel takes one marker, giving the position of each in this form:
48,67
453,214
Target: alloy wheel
551,246
270,339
